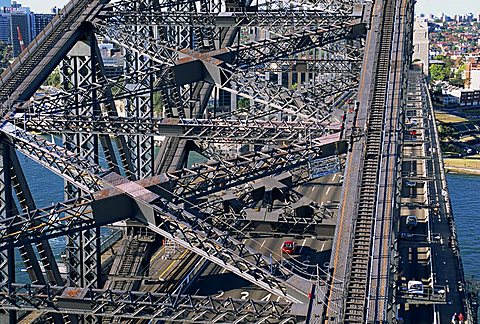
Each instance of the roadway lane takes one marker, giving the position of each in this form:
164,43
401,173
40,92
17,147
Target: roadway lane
325,190
428,252
310,251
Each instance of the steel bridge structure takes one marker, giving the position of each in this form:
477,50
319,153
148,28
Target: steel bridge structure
305,87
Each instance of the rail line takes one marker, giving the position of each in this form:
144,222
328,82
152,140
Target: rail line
54,36
362,239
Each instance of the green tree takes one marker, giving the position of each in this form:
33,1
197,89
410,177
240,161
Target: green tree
53,79
243,103
439,72
157,104
458,82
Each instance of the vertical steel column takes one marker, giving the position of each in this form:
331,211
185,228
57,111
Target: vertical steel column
140,147
83,248
7,257
3,214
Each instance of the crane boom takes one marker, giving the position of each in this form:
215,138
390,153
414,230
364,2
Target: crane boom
20,39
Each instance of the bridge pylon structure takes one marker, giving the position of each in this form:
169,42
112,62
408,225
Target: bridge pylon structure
268,76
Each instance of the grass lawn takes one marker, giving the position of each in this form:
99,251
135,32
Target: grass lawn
470,162
448,118
468,138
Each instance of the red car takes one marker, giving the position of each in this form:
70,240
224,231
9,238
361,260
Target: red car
288,247
413,132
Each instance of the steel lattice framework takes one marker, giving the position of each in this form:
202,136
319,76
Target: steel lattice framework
178,57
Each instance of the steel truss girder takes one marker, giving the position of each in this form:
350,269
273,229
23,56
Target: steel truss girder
45,223
6,256
141,42
267,95
331,87
269,49
131,85
213,130
82,213
78,70
337,6
205,179
319,66
142,305
295,19
26,73
77,170
306,39
215,207
243,55
170,220
141,147
246,84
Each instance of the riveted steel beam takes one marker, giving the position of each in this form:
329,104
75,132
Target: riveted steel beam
142,305
171,221
214,130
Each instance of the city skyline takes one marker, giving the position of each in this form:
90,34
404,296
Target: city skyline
42,6
448,7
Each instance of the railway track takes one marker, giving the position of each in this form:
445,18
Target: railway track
25,65
357,286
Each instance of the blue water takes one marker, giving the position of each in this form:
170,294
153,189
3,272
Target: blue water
465,196
47,188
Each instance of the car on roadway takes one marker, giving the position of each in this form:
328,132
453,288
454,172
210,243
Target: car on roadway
406,236
288,247
415,287
410,184
411,221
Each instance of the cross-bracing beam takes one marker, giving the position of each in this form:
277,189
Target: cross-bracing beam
89,211
288,44
321,66
140,305
287,18
205,179
215,130
331,6
168,219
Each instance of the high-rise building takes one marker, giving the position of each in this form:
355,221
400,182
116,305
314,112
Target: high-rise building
40,21
20,20
5,36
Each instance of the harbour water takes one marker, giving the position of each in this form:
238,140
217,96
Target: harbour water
47,189
465,196
464,191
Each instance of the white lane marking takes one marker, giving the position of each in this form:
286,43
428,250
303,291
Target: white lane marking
303,244
263,243
334,176
266,298
321,204
313,188
323,244
328,190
